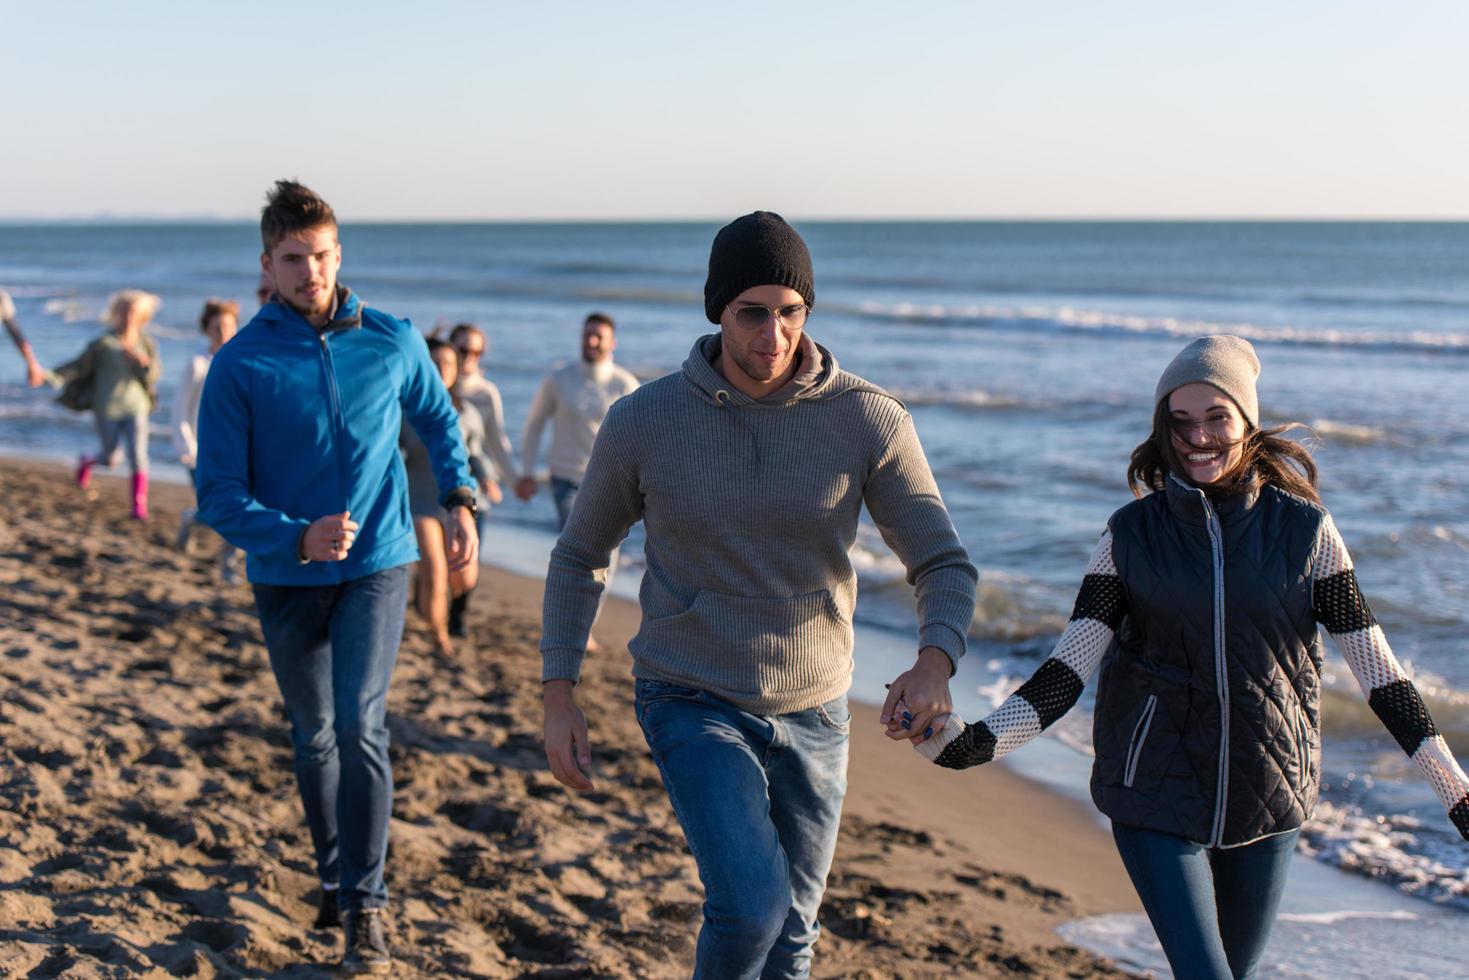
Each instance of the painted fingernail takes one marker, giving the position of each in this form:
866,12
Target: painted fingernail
907,723
928,732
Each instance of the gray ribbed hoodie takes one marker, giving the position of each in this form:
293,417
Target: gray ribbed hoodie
750,509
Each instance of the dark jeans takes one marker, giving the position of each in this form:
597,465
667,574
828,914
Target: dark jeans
332,649
1212,908
563,492
760,800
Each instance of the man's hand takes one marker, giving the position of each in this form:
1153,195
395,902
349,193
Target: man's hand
568,749
329,538
525,487
463,539
924,691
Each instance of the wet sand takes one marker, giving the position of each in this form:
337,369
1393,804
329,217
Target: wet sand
149,824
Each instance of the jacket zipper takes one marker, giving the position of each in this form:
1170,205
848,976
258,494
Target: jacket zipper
1221,671
1139,736
338,419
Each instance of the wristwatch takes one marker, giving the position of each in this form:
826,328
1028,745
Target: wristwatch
461,497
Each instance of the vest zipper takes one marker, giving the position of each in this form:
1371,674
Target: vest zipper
1139,736
1221,671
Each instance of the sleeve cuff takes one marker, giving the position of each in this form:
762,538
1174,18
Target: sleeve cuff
947,639
933,747
561,665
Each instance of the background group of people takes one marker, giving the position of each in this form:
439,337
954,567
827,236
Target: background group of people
116,379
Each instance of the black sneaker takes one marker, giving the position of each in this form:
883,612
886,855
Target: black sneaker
456,616
367,943
327,915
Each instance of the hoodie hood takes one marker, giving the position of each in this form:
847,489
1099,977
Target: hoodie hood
700,373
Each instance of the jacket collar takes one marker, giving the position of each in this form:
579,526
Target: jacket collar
1186,502
348,315
699,371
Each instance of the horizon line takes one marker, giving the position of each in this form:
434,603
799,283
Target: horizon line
208,219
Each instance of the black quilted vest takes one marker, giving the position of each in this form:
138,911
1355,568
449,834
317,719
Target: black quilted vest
1208,706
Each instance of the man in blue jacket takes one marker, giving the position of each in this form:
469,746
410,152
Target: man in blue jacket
298,466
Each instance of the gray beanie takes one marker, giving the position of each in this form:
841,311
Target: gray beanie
1224,361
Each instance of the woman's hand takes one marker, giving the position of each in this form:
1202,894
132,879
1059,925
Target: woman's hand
923,692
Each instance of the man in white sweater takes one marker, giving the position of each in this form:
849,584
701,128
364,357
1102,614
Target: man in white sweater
575,397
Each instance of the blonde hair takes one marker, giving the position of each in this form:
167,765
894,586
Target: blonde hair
119,303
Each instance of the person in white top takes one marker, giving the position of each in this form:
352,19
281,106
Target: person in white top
474,388
35,374
218,322
575,397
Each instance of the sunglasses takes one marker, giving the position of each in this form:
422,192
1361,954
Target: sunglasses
470,351
755,317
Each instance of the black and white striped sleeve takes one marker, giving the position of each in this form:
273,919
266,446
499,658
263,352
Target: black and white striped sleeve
1341,609
1055,686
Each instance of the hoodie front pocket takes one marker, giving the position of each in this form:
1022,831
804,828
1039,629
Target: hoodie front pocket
753,645
1139,738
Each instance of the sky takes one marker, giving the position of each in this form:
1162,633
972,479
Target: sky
643,110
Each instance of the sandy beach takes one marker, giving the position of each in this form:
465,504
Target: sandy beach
149,823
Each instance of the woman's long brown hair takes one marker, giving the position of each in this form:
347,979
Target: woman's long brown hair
1267,457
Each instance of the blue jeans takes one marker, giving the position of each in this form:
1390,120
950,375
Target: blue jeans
131,433
760,800
563,493
332,649
1212,908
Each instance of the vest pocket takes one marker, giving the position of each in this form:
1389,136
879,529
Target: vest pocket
1303,744
1139,737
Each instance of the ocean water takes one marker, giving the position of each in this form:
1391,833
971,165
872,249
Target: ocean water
1027,353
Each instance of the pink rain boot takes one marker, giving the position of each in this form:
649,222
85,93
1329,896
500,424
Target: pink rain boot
84,471
140,496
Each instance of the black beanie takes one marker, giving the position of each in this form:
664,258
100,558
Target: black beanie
759,249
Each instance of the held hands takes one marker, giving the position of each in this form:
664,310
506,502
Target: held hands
463,539
568,749
525,487
329,538
918,701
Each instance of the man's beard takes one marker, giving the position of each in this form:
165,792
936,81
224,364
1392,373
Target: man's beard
326,303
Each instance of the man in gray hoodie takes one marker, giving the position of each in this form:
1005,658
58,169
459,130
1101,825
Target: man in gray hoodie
749,469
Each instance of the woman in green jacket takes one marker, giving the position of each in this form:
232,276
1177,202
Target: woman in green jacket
117,378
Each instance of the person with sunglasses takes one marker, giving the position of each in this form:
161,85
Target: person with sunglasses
1201,605
749,469
473,388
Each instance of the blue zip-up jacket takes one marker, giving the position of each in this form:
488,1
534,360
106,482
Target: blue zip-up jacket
296,424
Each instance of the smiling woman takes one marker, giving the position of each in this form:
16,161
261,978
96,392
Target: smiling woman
1207,432
1201,609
